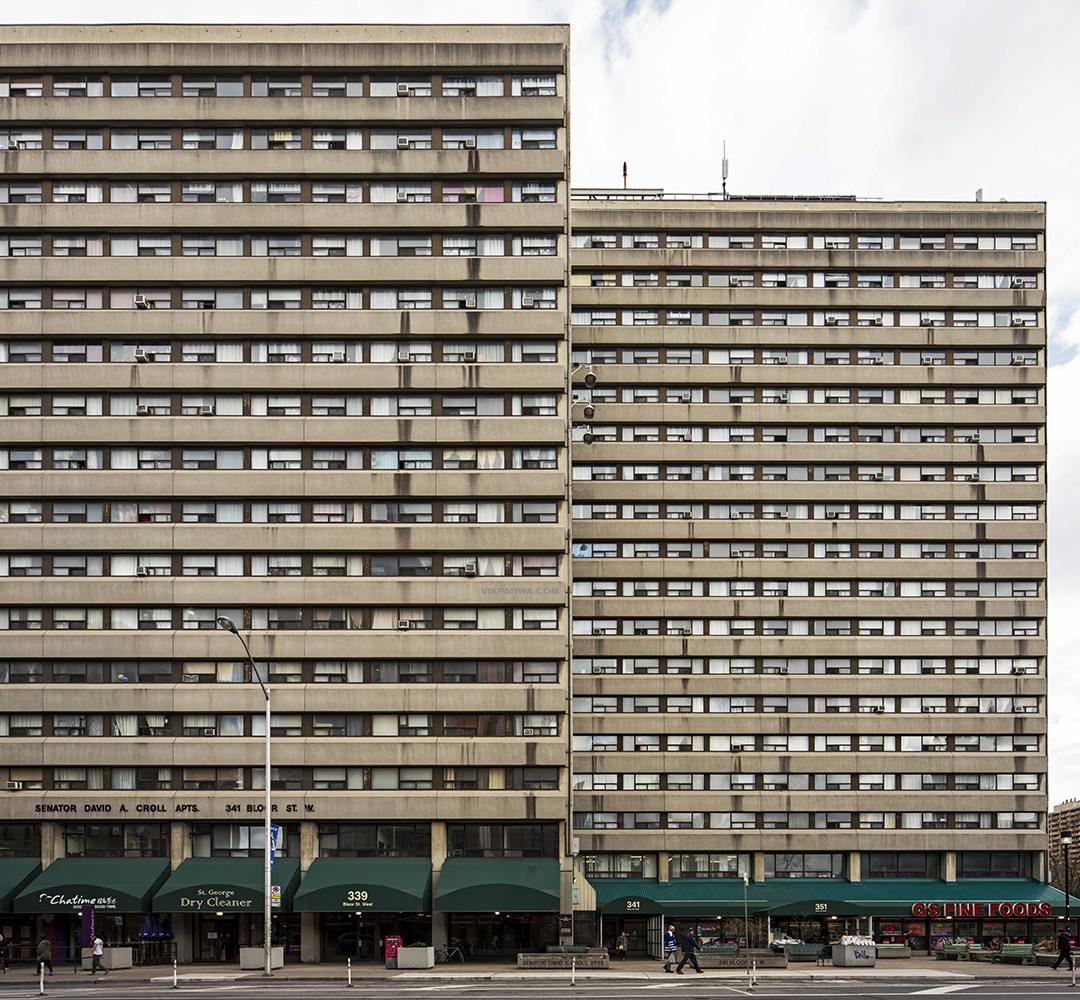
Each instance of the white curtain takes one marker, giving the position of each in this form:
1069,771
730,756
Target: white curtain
490,565
123,778
125,618
125,725
490,618
380,350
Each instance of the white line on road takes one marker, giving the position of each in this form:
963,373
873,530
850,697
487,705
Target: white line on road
938,990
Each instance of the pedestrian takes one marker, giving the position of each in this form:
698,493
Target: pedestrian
99,950
689,946
44,954
671,945
620,945
1064,950
3,953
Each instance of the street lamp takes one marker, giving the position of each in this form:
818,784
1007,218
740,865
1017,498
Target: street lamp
230,626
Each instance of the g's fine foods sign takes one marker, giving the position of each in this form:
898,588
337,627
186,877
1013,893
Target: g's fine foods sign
999,909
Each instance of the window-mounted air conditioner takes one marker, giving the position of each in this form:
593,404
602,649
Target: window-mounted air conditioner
877,361
206,411
783,515
877,708
141,355
877,321
142,411
403,356
402,142
684,631
1017,283
926,322
528,731
832,321
782,360
470,143
1018,361
1019,670
929,710
470,569
469,356
141,571
403,90
402,196
683,397
404,624
338,357
527,301
782,397
681,515
141,302
976,437
209,731
832,516
877,477
927,361
598,631
14,786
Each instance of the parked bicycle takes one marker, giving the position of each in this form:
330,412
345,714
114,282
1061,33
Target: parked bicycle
444,955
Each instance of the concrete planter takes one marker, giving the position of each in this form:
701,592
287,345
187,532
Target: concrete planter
255,958
848,955
111,958
416,958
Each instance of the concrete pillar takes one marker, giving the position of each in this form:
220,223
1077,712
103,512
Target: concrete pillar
52,843
757,866
309,844
183,934
854,866
310,943
663,866
440,931
950,866
179,843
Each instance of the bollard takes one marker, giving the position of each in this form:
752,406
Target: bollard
573,970
753,980
1072,972
174,983
41,981
350,972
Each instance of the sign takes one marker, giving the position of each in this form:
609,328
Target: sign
566,924
275,841
275,896
1001,909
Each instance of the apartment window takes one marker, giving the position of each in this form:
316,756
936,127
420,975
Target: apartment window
211,86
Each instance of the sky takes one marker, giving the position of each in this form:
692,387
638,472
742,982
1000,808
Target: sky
892,99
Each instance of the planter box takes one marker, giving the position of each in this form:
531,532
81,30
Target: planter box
111,958
847,955
255,958
416,958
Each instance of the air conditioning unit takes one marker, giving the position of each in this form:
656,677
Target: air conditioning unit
142,411
1017,283
470,569
404,624
528,731
141,571
877,321
685,631
1019,670
338,357
976,437
141,302
782,397
683,397
926,322
598,631
782,670
527,301
928,710
468,357
402,197
206,411
832,322
783,515
832,517
1017,361
209,731
927,361
402,142
597,670
470,143
681,515
14,786
877,361
403,90
974,477
403,356
736,749
877,708
782,360
141,355
878,477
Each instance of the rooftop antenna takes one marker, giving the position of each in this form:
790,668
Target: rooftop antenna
723,172
624,175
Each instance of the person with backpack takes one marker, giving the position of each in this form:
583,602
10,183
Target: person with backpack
671,945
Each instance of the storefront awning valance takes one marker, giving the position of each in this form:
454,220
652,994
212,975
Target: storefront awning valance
376,885
513,885
226,885
688,897
113,885
15,873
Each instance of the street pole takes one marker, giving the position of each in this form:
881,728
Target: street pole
1066,842
746,919
230,626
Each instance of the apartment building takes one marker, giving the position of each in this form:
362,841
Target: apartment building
808,559
283,317
309,342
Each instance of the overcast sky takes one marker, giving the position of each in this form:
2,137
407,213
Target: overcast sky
892,99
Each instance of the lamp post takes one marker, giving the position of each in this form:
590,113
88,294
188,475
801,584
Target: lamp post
230,626
1066,842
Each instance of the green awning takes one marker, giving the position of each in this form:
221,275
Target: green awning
14,874
378,885
114,885
226,885
687,897
514,885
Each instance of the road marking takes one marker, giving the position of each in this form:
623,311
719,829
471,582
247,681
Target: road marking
938,990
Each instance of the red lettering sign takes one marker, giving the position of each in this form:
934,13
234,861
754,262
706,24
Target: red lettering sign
998,909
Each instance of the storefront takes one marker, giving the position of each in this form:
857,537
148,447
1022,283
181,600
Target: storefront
497,907
359,901
217,906
120,890
20,932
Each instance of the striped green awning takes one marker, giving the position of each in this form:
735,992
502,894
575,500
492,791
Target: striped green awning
14,874
365,885
686,897
113,885
228,885
511,885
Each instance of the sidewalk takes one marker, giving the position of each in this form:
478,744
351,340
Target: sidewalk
647,969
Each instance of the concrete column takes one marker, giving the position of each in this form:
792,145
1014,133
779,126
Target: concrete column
663,866
310,943
757,866
309,844
950,866
52,843
854,866
183,934
179,843
440,931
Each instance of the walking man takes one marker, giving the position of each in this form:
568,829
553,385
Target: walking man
689,945
671,945
1064,950
44,954
99,950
